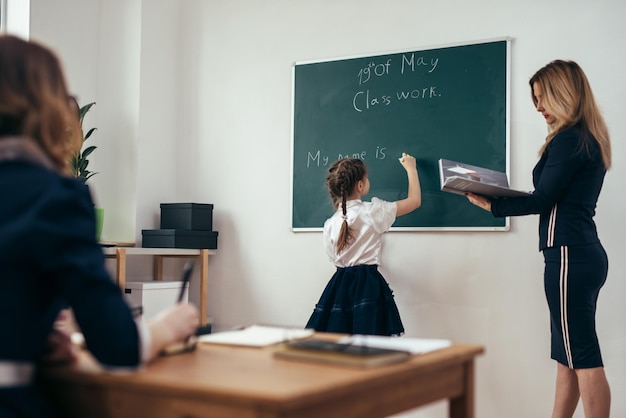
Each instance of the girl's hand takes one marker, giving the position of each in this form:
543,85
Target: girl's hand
480,201
407,161
414,191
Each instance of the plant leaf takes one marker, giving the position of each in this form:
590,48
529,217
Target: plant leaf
83,111
79,161
87,151
88,134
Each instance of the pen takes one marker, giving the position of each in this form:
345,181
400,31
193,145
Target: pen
186,277
189,344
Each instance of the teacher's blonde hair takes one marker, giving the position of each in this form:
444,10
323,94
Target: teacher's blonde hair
567,96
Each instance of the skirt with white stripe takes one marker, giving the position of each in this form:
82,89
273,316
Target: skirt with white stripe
573,277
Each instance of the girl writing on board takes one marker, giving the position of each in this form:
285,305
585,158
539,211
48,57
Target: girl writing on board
357,299
568,179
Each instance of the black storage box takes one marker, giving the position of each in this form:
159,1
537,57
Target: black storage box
196,216
179,238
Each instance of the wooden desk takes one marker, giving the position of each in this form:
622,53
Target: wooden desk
233,382
120,253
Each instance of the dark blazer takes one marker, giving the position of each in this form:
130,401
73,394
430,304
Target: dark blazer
49,259
567,179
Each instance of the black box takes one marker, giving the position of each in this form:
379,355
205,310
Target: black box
196,216
179,238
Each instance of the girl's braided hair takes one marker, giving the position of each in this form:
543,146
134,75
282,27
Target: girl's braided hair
343,177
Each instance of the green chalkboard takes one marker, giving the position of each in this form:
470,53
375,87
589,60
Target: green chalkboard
449,102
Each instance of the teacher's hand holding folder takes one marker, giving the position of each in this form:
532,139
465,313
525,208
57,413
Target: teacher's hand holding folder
480,201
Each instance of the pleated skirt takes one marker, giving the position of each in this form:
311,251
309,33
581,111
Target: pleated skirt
357,300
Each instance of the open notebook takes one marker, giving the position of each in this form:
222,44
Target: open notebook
256,336
460,178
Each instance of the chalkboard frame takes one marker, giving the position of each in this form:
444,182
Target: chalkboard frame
503,223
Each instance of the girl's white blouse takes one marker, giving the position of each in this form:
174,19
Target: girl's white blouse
368,221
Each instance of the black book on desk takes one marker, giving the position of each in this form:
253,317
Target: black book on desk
320,350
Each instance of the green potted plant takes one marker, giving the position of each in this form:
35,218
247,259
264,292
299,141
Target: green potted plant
79,162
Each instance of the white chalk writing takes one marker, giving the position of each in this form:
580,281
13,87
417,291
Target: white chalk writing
378,70
407,65
367,100
411,63
317,159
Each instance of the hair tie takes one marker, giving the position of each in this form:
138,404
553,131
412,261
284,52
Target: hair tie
344,217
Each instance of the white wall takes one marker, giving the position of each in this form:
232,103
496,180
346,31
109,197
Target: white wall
208,105
15,22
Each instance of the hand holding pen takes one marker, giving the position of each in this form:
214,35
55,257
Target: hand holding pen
172,328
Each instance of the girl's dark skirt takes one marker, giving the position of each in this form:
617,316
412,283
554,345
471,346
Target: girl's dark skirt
573,277
357,300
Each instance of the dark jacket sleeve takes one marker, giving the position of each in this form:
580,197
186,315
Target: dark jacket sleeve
74,259
560,163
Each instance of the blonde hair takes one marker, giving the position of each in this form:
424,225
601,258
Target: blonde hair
343,177
567,96
34,101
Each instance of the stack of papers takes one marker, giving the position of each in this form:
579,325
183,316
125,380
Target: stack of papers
256,336
412,345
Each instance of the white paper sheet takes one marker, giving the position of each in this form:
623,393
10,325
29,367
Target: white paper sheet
412,345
